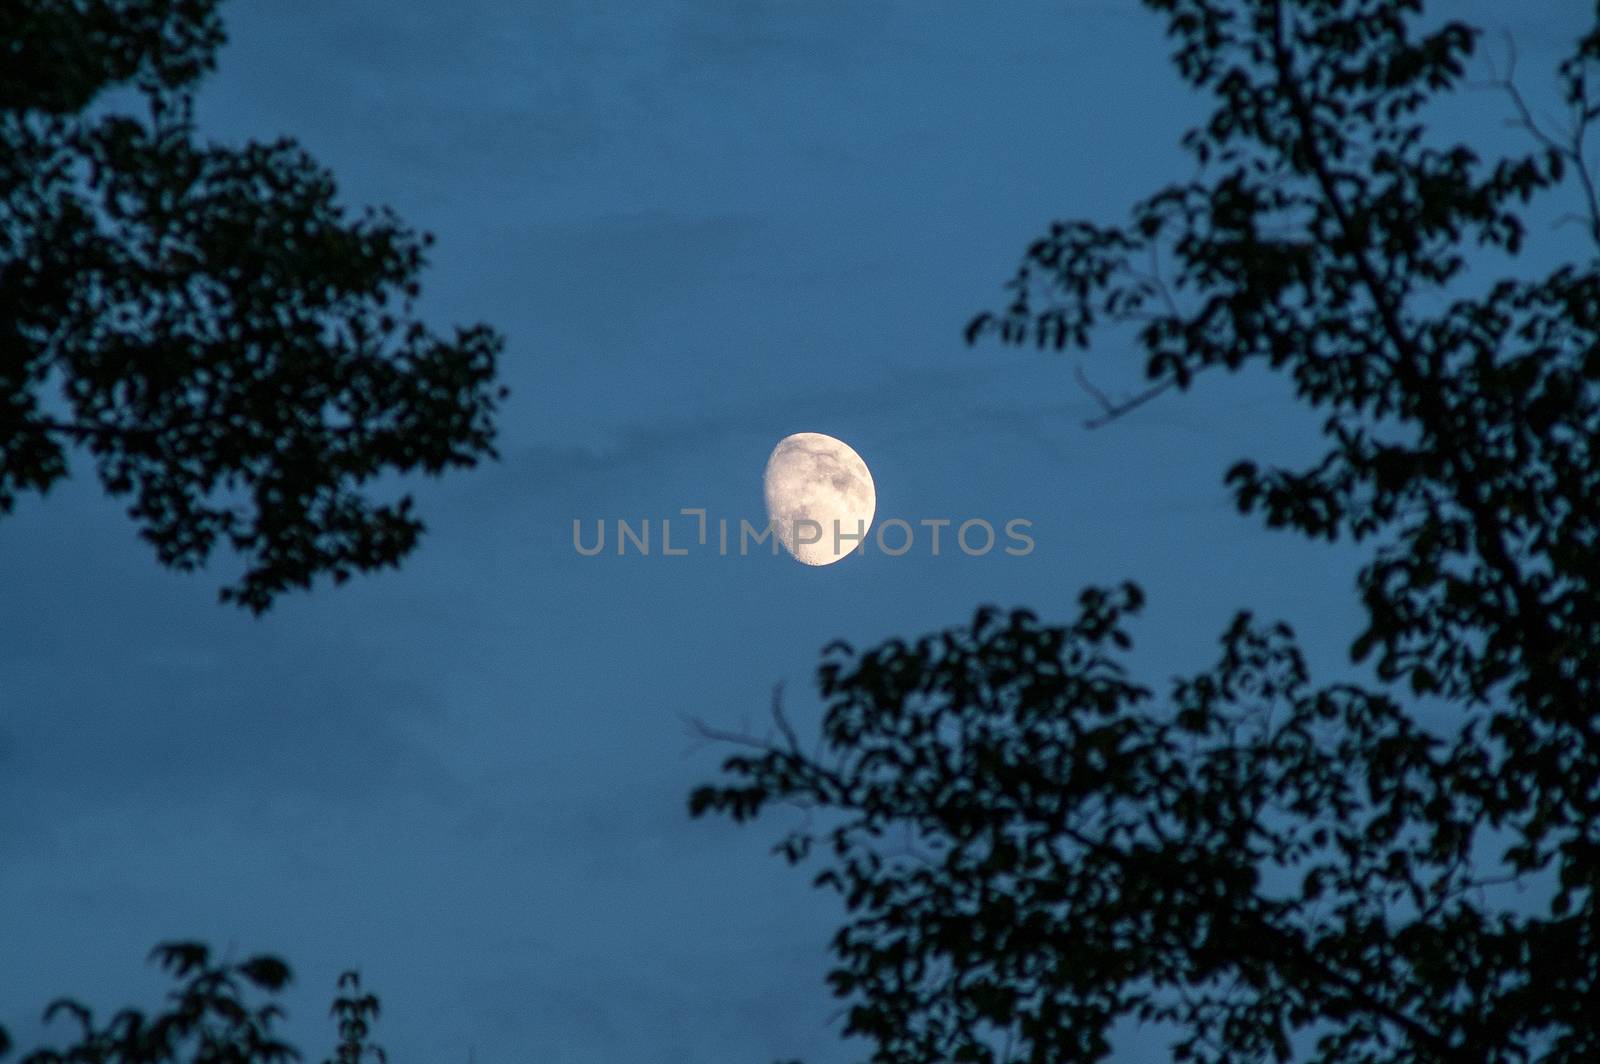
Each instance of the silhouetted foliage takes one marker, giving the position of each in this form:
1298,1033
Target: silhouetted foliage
1031,846
237,353
209,1019
234,350
354,1014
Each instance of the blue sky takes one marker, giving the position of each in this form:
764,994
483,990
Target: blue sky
702,225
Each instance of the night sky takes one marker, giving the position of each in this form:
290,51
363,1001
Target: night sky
702,226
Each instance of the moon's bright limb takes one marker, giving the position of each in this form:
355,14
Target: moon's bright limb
816,484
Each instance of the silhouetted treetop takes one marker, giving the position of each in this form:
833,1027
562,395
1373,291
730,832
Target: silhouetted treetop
239,354
210,1017
1324,237
1032,847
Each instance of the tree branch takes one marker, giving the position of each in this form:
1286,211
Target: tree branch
1109,410
1530,618
1571,149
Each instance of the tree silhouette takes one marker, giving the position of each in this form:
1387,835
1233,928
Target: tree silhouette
1031,846
239,355
355,1015
209,1019
235,351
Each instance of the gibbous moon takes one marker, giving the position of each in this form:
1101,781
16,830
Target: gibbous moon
814,484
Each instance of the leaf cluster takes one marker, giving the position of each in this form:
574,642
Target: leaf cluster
1032,847
210,1018
239,354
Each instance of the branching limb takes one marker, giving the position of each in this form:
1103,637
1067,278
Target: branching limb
1568,146
709,734
1111,410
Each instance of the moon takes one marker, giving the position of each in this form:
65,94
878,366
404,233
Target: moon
814,485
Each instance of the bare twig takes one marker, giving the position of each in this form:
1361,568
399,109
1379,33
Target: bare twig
1569,148
1111,410
1161,282
708,734
782,721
